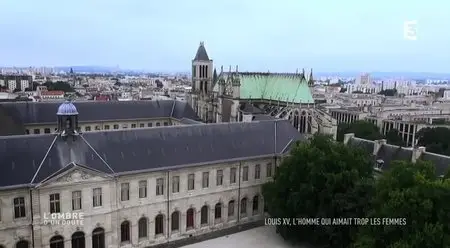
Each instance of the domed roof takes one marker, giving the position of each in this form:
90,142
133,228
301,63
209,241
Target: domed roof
67,108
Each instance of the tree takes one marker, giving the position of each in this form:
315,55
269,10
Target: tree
409,191
361,129
393,137
343,90
436,140
59,85
388,92
321,179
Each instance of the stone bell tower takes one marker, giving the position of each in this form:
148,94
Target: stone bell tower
67,117
202,80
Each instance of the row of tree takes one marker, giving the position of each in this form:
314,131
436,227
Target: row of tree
436,140
326,179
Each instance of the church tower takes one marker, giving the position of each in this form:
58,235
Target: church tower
67,117
202,71
202,83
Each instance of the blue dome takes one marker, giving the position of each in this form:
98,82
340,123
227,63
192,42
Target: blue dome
67,108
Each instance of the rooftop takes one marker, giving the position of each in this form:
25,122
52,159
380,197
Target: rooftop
117,152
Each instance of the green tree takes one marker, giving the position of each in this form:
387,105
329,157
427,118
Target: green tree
59,85
436,140
321,179
393,137
361,129
409,191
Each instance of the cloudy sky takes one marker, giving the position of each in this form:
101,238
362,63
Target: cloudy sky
327,35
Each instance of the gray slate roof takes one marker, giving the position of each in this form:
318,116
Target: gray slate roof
201,54
45,112
389,153
133,150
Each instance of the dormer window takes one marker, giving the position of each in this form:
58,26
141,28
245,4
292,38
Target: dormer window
379,164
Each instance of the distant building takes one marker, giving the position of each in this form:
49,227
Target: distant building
234,96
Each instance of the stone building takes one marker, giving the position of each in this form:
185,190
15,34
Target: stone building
39,118
235,96
134,187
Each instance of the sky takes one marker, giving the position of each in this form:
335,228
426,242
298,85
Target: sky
281,36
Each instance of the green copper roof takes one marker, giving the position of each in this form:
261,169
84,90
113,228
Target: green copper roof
269,86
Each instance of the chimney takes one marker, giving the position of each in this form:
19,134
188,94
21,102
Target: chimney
377,145
347,137
417,152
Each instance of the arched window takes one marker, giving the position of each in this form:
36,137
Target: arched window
190,218
22,244
204,215
159,224
175,221
255,204
125,231
98,238
231,208
78,240
142,226
218,211
244,206
57,242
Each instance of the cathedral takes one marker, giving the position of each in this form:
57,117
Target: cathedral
236,96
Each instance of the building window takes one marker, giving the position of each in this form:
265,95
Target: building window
133,125
158,124
55,206
98,238
76,200
255,204
78,240
36,131
175,221
22,244
244,206
98,128
269,170
175,184
149,124
160,186
218,211
97,197
124,126
230,208
190,218
106,127
142,226
125,192
142,189
87,128
57,242
191,181
257,171
159,224
116,126
233,175
166,124
27,131
19,207
219,177
141,125
205,180
245,173
46,130
204,215
125,231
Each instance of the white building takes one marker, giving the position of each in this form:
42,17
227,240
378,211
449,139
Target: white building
135,187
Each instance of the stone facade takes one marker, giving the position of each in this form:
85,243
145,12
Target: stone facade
156,201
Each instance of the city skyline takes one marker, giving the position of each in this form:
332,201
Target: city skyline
257,36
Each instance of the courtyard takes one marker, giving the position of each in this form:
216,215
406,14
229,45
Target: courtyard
261,237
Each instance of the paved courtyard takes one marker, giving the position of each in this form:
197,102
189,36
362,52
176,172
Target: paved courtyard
261,237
